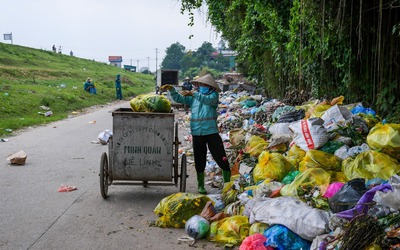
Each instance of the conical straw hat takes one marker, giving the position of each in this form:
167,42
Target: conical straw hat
208,80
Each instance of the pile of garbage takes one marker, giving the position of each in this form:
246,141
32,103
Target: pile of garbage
321,175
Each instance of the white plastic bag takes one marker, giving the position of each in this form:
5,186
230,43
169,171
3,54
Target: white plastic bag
334,116
305,221
309,134
104,136
390,199
197,227
280,128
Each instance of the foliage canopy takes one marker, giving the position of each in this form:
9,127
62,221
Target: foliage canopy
328,48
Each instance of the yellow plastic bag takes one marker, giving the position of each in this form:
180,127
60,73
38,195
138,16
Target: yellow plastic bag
255,145
370,164
232,230
295,155
318,110
338,100
150,103
385,138
231,190
271,165
307,105
310,177
242,98
176,209
320,159
258,228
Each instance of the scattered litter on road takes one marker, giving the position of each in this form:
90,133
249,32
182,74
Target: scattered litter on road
66,188
104,136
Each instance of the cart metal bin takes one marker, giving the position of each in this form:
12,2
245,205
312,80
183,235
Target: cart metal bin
143,150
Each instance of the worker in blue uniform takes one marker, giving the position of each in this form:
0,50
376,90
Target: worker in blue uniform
118,88
203,125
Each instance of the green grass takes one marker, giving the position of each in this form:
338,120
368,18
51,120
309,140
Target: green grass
30,78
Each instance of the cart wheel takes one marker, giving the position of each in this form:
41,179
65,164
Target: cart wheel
104,175
183,176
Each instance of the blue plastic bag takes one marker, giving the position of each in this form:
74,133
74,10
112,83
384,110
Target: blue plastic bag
360,109
282,238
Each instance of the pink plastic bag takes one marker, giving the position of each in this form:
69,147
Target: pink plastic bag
254,242
332,189
66,188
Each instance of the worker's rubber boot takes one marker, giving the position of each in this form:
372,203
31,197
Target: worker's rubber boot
200,183
226,175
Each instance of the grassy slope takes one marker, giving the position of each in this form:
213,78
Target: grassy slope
30,78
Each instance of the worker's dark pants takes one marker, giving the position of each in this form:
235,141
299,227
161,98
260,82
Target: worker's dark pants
216,147
119,93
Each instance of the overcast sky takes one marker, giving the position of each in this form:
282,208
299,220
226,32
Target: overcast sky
96,29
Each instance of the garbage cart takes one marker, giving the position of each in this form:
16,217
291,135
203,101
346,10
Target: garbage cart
143,150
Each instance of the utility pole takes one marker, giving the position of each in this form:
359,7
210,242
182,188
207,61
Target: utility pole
148,64
156,70
137,65
156,60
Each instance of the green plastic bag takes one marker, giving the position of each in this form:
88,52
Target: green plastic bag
289,178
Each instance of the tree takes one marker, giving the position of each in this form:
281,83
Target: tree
189,61
173,56
204,53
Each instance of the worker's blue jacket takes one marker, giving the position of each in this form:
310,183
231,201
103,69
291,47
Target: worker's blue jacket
203,120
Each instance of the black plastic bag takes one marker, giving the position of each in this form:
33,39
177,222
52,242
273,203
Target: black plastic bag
348,196
291,116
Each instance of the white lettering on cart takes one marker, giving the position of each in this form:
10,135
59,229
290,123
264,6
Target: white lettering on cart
148,162
138,150
130,134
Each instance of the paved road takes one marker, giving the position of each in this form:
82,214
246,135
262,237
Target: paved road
33,215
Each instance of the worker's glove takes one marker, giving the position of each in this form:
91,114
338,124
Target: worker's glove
166,87
186,93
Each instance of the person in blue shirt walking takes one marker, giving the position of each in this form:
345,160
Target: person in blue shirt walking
118,87
203,125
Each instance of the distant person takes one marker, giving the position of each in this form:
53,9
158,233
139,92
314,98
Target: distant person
54,49
187,85
59,49
71,53
89,86
118,88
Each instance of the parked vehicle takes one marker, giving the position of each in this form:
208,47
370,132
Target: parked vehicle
168,76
